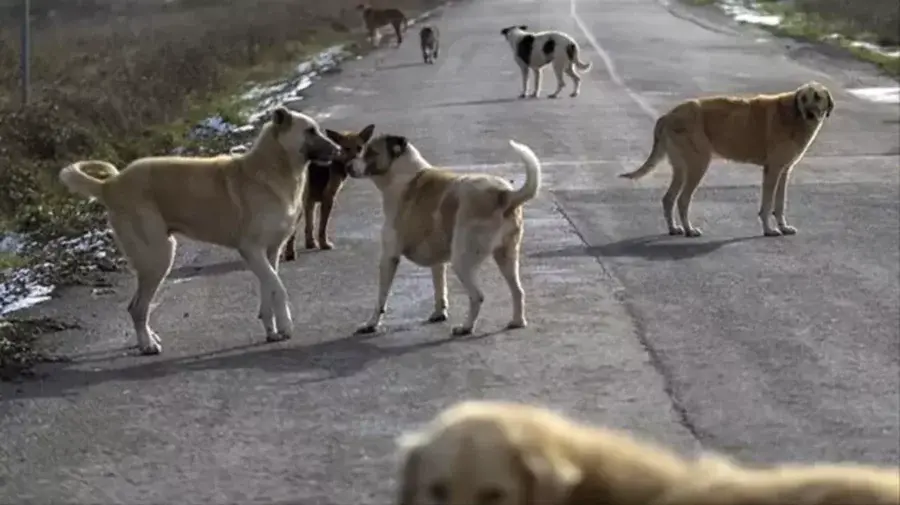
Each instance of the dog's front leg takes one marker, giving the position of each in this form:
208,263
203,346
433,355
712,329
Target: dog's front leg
781,203
524,69
387,268
771,174
439,281
273,295
537,82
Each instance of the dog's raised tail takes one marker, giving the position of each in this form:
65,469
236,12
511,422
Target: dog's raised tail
78,181
532,176
657,152
574,56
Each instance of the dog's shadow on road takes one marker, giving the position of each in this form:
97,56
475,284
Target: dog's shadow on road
488,101
653,248
397,66
319,362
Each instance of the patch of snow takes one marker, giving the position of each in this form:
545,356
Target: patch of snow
744,13
880,95
11,243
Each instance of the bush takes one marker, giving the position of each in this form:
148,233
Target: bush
879,19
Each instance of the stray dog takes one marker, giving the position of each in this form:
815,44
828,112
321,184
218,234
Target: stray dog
534,50
773,131
375,18
434,217
504,453
248,202
429,40
323,183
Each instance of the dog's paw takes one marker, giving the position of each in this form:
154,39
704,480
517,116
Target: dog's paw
325,245
553,95
787,230
366,329
459,331
516,324
288,255
523,95
279,336
771,232
693,232
676,230
438,316
573,94
151,349
311,244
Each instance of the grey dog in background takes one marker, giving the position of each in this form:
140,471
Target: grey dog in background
430,41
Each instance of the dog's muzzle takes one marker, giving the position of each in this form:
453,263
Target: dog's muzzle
357,168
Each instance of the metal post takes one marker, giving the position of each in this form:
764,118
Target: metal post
25,62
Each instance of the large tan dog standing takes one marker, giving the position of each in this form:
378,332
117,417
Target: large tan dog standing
249,202
502,453
434,217
773,131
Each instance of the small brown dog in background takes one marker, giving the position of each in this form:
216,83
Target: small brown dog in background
503,453
376,18
323,183
773,131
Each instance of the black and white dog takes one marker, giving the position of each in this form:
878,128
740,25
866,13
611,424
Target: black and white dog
534,50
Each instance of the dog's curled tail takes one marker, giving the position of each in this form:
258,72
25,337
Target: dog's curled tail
657,153
77,181
574,55
532,176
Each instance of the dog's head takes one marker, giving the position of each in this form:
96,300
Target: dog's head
509,30
813,101
483,453
351,144
300,134
385,155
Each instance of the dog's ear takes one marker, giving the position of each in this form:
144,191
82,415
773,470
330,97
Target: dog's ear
523,27
281,117
396,144
335,136
411,453
830,104
366,133
547,477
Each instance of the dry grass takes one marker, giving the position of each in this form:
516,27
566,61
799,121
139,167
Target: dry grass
121,79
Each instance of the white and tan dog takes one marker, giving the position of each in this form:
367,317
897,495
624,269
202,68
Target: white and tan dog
772,131
434,217
248,202
534,50
504,453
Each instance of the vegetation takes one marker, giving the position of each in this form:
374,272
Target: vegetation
121,79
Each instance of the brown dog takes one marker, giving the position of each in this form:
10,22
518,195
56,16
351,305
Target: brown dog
323,183
501,453
376,18
245,202
773,131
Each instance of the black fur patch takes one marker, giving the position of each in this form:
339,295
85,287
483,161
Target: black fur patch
396,144
524,48
570,50
549,46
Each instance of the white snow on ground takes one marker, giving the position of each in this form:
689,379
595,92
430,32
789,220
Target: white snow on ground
880,95
743,13
22,289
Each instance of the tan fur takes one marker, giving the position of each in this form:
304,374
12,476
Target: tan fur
247,202
323,184
506,453
434,217
376,18
773,131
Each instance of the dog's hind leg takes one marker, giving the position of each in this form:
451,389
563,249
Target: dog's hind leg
524,69
668,199
309,211
439,281
324,214
694,172
576,80
781,203
468,254
273,295
507,259
396,25
771,175
558,68
151,251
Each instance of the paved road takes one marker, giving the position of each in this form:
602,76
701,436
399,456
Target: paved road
766,348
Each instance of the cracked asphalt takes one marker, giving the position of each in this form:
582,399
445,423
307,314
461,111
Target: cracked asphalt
768,349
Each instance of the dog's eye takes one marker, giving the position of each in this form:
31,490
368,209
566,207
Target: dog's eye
491,496
438,492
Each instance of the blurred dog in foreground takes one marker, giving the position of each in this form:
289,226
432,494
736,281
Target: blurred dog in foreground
499,453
